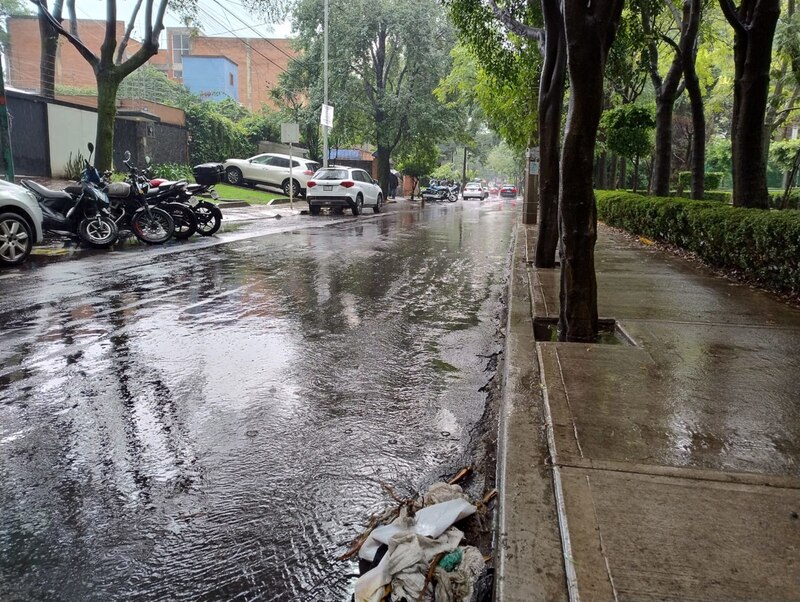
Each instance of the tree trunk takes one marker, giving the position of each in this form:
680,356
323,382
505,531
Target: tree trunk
382,155
699,130
612,172
49,50
601,181
754,27
551,101
106,116
590,30
623,173
635,173
666,90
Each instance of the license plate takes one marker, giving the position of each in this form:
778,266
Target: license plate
327,188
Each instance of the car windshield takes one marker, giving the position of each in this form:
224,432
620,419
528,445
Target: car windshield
331,174
473,186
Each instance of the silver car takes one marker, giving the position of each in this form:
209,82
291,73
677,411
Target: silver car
20,223
475,190
343,187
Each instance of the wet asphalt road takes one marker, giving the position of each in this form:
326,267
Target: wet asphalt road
213,421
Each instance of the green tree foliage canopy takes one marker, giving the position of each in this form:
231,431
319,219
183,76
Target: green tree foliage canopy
628,130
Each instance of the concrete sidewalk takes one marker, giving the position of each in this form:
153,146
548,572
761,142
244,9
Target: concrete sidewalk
664,467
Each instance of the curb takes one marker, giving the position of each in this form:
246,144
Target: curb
530,562
232,204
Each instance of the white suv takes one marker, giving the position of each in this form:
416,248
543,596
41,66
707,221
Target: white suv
339,186
271,169
20,223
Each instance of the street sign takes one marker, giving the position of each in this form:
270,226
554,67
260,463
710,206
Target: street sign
533,161
326,116
290,133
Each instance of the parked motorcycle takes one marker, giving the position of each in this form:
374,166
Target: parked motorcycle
437,191
81,210
131,210
169,197
208,215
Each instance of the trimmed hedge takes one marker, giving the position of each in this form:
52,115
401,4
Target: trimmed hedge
765,245
713,179
710,195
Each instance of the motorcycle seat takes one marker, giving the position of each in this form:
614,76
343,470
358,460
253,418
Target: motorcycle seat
46,193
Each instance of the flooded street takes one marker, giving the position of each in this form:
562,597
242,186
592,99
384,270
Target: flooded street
216,423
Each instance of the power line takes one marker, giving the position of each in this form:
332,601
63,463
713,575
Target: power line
268,41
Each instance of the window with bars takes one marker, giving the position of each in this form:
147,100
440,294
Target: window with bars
180,46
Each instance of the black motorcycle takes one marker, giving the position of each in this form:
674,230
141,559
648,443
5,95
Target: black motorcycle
81,210
131,210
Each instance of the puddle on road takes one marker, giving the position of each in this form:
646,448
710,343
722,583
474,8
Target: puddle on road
229,438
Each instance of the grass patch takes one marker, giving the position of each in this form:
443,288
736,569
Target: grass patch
254,196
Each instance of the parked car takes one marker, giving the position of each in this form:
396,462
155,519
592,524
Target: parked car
493,190
508,191
343,187
474,190
271,169
20,223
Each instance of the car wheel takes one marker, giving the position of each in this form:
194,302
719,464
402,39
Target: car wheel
295,191
359,205
378,206
234,176
314,209
16,239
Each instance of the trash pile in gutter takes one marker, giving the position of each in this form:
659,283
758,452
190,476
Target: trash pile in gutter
417,551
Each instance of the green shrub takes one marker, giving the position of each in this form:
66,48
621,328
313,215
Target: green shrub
713,180
763,244
710,195
74,167
776,200
172,171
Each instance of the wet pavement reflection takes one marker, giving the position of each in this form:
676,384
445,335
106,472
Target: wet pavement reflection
216,424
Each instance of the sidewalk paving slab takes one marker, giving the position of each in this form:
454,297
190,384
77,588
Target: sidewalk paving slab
678,457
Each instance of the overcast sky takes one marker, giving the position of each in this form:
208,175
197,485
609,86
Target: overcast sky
218,18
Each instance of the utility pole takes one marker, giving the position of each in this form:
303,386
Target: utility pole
6,158
325,152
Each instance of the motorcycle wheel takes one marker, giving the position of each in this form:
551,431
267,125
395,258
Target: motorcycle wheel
153,228
209,218
452,197
184,218
98,231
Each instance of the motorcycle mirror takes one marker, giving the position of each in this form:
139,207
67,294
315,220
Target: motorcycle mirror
91,147
127,156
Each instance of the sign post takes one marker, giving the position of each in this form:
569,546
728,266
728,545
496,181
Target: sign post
290,133
531,203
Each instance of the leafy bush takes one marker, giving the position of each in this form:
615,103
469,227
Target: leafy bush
74,167
215,137
776,200
713,179
172,171
763,244
710,195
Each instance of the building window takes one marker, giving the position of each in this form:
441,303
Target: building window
230,79
180,46
177,74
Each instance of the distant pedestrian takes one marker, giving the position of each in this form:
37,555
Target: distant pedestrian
393,183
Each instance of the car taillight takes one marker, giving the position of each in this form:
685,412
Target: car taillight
311,183
347,184
308,172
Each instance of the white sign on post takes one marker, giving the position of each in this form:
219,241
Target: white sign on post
326,116
290,133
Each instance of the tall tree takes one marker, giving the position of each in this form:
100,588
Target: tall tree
385,63
590,29
754,25
49,47
108,72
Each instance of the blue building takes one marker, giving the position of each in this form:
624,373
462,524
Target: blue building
211,77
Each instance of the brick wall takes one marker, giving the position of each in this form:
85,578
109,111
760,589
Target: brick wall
71,68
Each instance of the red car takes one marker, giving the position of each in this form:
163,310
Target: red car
508,191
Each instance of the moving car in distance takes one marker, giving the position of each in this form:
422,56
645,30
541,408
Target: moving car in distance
344,187
474,190
271,169
508,191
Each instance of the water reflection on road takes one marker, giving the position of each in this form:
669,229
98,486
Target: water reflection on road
216,424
